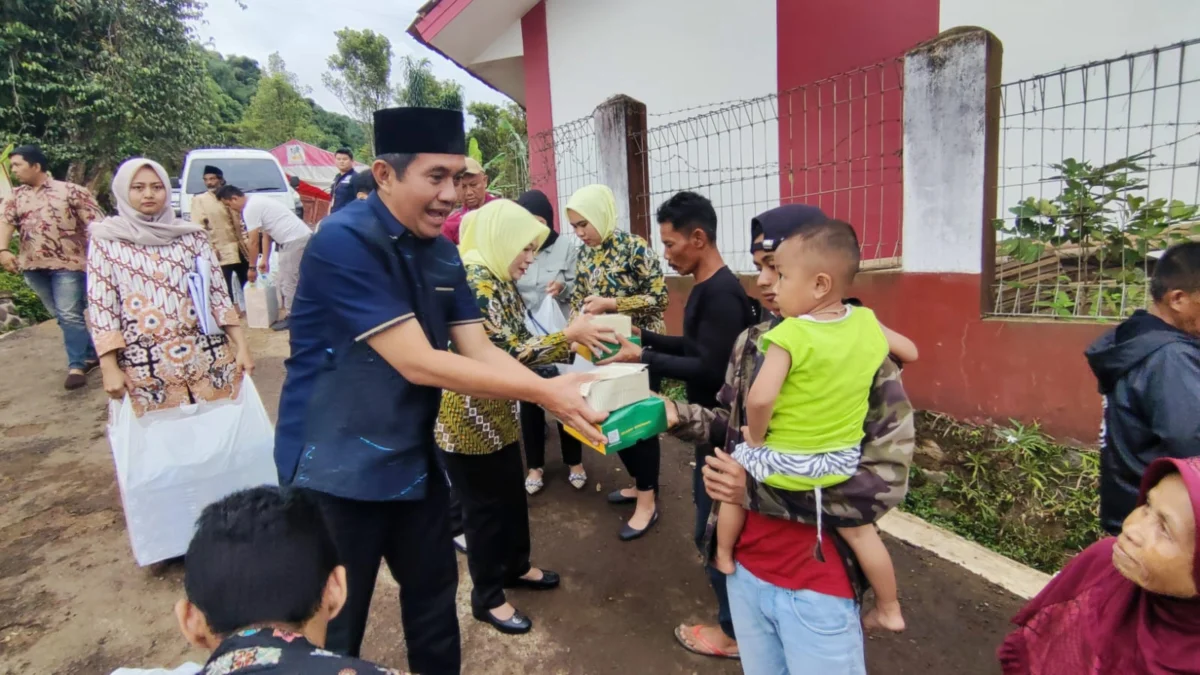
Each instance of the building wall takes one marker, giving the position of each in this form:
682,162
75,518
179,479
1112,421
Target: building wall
682,59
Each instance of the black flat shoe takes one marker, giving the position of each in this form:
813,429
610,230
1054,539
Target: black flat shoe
629,534
519,624
616,497
549,581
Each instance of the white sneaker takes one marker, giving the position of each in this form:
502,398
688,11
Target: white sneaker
460,543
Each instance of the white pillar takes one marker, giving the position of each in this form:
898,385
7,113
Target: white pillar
949,152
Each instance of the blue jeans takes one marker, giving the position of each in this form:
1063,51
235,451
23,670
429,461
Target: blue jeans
783,632
64,293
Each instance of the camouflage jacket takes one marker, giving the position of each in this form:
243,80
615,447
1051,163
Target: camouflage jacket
887,449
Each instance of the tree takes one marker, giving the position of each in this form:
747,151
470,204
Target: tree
422,89
279,112
339,130
237,76
360,73
95,82
500,132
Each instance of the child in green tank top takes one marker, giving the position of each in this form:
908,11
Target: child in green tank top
806,407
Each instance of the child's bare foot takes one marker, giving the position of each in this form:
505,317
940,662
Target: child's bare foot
723,561
885,616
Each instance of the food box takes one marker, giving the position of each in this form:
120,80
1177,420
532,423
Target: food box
616,386
624,427
612,349
619,323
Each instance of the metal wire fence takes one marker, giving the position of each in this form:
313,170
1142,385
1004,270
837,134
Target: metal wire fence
568,158
1099,172
835,143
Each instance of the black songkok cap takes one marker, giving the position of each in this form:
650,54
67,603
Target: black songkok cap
210,169
420,130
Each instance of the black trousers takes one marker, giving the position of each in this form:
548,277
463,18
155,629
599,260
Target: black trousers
704,506
242,269
533,437
641,461
495,520
414,539
454,508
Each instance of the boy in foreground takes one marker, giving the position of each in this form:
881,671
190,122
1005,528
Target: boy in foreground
806,408
262,583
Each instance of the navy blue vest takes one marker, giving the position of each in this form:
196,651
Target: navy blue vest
369,431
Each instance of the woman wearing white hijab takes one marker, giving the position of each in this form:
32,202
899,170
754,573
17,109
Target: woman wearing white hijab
154,340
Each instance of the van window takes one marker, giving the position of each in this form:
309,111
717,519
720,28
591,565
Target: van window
249,174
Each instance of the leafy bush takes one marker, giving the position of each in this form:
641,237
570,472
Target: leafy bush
29,307
1011,489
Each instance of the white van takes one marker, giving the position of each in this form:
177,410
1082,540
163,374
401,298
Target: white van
255,172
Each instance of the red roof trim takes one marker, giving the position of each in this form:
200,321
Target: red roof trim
437,14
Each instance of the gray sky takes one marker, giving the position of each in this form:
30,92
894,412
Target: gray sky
302,32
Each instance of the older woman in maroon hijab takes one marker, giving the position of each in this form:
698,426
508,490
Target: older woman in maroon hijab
1128,604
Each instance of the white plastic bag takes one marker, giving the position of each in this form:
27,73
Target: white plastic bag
189,668
547,319
172,463
262,303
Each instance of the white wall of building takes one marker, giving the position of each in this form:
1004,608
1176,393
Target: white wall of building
683,59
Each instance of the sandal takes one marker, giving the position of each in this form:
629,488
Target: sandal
706,648
534,485
577,480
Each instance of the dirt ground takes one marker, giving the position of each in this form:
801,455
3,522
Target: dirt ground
74,602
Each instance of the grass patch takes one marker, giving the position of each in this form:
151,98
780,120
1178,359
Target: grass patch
675,390
29,307
1011,489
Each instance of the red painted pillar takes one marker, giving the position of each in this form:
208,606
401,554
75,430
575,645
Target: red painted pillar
539,116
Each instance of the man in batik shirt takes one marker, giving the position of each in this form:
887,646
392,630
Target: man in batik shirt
52,218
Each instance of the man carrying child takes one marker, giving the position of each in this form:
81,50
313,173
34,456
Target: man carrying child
777,571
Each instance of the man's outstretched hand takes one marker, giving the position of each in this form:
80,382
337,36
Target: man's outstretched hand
563,400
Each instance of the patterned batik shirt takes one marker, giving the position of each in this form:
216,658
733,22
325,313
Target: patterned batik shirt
281,652
139,306
880,483
52,220
479,426
623,267
226,233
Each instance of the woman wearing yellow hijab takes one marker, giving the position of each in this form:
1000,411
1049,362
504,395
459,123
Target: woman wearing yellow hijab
618,272
480,437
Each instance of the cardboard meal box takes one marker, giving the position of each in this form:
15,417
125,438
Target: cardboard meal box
611,349
616,386
625,426
621,325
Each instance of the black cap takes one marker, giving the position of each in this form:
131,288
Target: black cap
210,169
416,130
780,223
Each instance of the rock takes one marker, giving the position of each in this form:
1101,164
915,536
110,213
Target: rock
930,449
9,320
935,477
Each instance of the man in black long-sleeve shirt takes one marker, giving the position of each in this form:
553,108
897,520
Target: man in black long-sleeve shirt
717,311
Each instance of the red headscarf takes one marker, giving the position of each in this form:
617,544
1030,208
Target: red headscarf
1090,620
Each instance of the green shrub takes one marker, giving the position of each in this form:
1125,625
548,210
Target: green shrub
1010,489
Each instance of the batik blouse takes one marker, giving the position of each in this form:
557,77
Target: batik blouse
625,268
140,307
480,426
